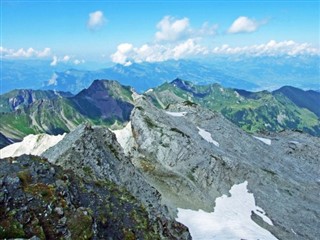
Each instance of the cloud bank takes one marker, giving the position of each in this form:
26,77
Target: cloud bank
271,48
176,39
126,53
66,59
22,53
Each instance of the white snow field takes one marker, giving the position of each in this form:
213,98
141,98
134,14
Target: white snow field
230,220
207,136
264,140
124,137
31,144
177,114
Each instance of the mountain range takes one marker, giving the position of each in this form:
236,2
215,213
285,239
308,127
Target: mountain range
26,112
177,171
142,76
110,104
249,73
252,111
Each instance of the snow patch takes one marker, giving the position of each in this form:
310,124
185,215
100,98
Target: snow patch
207,136
135,95
264,140
124,137
281,117
231,218
177,114
149,90
31,144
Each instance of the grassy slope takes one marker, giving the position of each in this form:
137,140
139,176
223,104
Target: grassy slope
55,115
50,116
263,112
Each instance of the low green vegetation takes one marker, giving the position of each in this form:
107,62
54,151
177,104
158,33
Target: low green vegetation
256,112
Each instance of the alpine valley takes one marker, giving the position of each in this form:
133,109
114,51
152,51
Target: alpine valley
179,161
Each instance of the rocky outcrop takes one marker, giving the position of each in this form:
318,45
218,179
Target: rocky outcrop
93,153
106,100
194,157
42,201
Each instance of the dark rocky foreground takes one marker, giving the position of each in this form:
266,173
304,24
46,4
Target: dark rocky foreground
41,200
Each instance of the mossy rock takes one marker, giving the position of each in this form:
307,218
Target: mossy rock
80,225
11,228
42,191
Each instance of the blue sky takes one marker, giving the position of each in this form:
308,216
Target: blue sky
127,31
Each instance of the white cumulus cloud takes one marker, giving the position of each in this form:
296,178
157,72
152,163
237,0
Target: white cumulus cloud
77,61
123,53
126,53
189,47
244,24
174,39
171,29
44,53
206,30
96,20
66,58
54,61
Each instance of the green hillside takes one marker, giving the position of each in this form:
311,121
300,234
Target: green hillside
253,112
103,103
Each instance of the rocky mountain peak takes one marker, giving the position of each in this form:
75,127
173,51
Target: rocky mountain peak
192,155
93,153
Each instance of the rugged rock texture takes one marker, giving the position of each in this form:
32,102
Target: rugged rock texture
94,154
38,199
105,100
182,157
191,172
4,141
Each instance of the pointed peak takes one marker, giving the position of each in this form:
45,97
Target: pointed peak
179,82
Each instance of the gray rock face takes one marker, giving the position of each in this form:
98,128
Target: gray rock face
191,172
94,154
